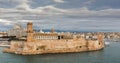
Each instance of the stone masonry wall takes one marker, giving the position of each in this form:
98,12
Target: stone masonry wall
54,46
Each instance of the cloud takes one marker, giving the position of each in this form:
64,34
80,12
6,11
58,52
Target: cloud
23,6
59,1
89,2
5,22
85,13
8,3
50,10
76,18
25,12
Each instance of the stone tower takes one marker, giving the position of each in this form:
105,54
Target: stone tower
101,39
29,32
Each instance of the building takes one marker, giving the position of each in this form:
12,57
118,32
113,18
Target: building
52,42
37,36
3,34
17,31
33,36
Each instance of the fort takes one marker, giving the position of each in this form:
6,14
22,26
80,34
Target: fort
54,42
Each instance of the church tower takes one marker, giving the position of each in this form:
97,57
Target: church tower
29,32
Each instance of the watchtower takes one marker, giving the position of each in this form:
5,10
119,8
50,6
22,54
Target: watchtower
29,32
101,38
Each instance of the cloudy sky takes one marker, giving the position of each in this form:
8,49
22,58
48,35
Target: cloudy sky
81,15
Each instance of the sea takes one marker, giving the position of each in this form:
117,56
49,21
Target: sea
110,54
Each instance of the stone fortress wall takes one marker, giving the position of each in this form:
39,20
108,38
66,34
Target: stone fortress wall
40,43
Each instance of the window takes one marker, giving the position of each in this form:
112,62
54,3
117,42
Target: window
59,37
80,46
99,43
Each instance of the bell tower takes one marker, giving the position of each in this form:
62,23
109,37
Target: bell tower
29,32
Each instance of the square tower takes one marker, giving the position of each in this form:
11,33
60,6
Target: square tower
29,32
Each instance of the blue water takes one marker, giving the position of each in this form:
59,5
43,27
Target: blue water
110,54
